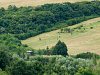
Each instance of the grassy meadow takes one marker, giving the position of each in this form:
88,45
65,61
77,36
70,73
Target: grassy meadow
80,41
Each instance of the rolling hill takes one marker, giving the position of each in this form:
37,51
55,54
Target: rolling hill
18,3
78,42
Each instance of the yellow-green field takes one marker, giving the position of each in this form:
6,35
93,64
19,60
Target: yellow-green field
78,42
18,3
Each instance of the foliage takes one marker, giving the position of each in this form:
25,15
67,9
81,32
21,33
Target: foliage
87,55
26,22
3,72
11,44
84,71
59,65
5,59
60,49
53,65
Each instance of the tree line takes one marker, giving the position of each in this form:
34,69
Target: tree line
26,22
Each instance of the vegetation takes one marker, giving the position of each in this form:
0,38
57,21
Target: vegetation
12,63
87,55
10,44
5,59
78,42
60,49
21,23
26,22
56,65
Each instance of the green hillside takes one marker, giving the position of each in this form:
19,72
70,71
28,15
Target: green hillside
51,39
80,40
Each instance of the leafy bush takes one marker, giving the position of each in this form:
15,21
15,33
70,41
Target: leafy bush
84,71
5,59
61,65
87,55
3,72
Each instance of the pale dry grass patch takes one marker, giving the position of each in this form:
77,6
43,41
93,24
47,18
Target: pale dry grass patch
18,3
88,41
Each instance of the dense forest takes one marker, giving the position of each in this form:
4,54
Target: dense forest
25,22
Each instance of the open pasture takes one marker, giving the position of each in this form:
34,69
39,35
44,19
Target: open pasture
78,42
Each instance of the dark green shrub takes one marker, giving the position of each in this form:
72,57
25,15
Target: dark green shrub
87,55
60,49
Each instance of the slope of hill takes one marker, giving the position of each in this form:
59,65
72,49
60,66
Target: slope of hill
18,3
78,42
